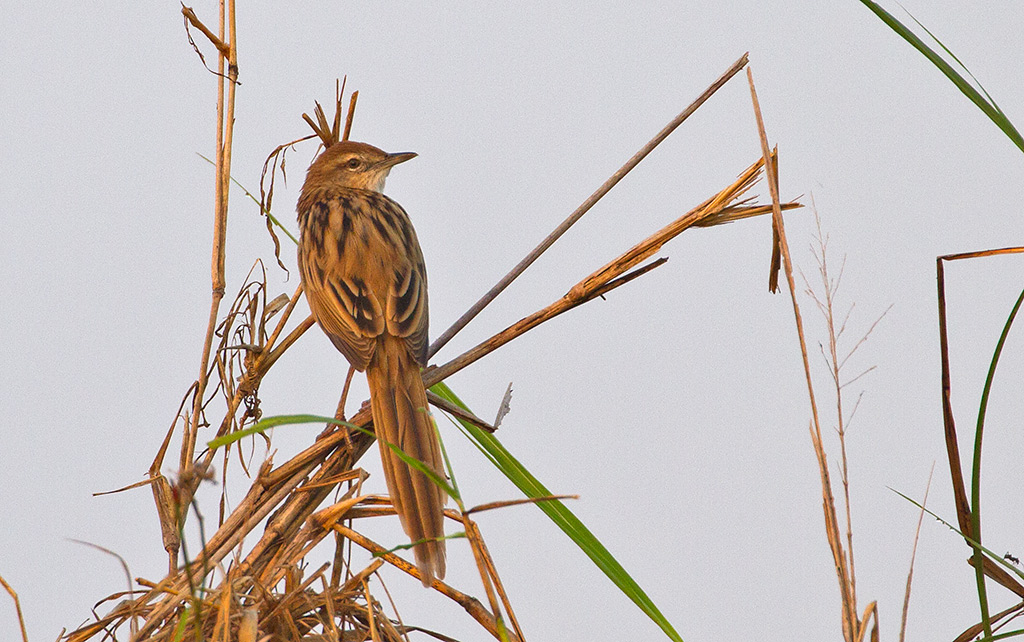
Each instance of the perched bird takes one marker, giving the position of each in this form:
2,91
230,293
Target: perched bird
363,274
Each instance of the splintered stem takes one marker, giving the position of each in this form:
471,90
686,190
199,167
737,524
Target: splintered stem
615,272
852,627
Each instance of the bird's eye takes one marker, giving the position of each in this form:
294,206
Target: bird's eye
353,163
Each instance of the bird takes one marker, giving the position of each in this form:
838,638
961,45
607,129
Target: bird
363,275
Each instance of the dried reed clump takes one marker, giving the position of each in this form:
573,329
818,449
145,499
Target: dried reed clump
253,579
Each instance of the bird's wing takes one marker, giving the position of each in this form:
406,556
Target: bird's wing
405,301
342,298
406,309
363,272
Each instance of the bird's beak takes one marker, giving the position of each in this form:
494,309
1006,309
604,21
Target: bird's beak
394,159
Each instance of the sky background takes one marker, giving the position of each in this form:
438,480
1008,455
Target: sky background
676,408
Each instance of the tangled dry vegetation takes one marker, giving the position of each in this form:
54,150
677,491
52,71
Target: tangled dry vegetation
251,580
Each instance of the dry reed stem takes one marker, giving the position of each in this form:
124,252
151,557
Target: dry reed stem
227,54
492,572
480,508
963,505
913,556
851,625
488,580
225,130
999,575
973,632
217,42
17,607
612,274
491,294
471,605
870,613
835,364
447,406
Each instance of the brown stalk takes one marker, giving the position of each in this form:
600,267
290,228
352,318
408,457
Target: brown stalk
851,625
472,606
456,411
870,613
473,532
963,506
475,309
974,631
913,556
517,502
228,54
222,624
217,42
613,274
999,575
474,538
17,607
362,575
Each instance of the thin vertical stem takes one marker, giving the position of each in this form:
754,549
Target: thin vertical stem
833,344
850,623
225,128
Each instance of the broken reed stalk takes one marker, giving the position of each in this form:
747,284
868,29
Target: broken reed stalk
227,54
969,511
963,505
853,628
613,274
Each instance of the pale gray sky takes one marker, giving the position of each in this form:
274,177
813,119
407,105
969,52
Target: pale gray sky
676,409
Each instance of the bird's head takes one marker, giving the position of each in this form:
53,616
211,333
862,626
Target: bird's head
352,164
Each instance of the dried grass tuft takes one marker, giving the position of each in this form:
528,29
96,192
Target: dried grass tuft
254,578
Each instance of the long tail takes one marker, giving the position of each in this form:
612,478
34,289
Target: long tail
400,417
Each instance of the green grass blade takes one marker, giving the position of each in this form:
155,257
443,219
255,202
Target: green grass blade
271,422
976,464
560,515
286,420
520,476
984,103
952,55
266,212
995,557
